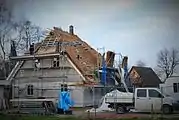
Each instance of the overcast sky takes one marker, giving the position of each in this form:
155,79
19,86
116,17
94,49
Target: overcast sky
136,28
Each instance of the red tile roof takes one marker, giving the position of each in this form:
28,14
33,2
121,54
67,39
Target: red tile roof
84,57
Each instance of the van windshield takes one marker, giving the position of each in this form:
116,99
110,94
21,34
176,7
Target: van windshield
155,93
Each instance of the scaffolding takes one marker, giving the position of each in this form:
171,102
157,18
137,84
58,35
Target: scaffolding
61,57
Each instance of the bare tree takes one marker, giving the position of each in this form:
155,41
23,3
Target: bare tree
140,63
28,33
22,33
167,61
6,29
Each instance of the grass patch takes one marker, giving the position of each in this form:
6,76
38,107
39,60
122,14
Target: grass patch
28,117
17,117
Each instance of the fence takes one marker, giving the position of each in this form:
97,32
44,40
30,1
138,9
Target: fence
92,96
82,96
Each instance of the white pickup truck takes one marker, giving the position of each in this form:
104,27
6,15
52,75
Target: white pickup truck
142,100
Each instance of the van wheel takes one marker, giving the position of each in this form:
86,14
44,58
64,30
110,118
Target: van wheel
166,109
120,110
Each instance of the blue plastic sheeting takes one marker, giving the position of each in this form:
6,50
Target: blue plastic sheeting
125,71
104,72
64,100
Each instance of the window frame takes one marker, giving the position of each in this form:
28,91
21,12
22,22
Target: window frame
176,87
56,62
141,90
161,96
21,73
30,90
64,87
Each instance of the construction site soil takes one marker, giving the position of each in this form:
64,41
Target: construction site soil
113,115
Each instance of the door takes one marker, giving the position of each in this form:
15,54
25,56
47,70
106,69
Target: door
141,100
155,100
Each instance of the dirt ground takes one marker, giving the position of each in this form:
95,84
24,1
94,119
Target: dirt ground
82,113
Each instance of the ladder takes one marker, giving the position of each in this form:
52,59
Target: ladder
14,70
49,107
37,107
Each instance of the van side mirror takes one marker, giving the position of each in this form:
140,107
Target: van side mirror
160,96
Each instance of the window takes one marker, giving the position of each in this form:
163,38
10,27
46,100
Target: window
154,93
37,63
78,57
64,87
21,73
175,87
56,62
141,93
30,90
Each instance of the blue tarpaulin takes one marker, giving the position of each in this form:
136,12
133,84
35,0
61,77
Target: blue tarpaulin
103,80
64,100
125,71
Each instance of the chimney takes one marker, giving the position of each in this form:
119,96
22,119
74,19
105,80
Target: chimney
71,30
124,62
110,58
31,49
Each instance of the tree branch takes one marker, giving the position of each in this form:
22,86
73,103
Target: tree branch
167,61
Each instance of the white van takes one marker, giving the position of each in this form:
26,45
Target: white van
143,100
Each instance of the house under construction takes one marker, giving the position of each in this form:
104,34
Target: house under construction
61,58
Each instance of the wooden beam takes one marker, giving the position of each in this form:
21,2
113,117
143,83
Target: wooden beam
28,57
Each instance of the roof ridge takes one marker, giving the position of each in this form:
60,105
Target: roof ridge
141,67
64,32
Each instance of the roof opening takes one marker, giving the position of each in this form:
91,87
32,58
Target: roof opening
78,57
51,33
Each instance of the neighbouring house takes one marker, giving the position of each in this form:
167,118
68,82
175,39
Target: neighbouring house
4,94
142,77
171,85
61,58
4,71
